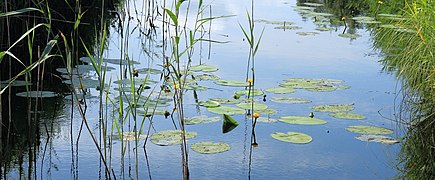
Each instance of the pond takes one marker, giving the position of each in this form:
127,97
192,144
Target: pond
320,66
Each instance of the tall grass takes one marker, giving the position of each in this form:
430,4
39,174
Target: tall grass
409,49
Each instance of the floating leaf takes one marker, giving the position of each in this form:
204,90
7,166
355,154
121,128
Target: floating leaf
225,101
37,94
324,28
307,33
226,110
301,120
368,130
228,124
292,137
196,87
257,106
232,83
274,22
150,112
266,111
333,108
209,104
281,90
348,35
313,4
210,147
290,100
130,136
203,68
363,18
80,96
266,120
151,70
288,27
206,77
137,81
111,61
311,84
252,92
170,137
347,115
201,119
377,138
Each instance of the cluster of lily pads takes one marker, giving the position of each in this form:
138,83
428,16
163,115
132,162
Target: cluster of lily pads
324,20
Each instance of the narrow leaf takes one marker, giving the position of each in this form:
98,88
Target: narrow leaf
228,124
172,16
20,11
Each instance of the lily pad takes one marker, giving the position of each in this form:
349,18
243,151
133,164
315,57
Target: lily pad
292,137
196,87
266,111
210,147
150,112
324,28
281,90
137,81
151,70
348,35
266,120
206,77
301,120
15,83
348,115
274,22
201,119
257,106
377,138
363,18
313,4
209,104
290,100
225,101
307,33
226,110
369,130
111,61
288,27
203,68
170,137
333,108
232,83
37,94
254,92
130,136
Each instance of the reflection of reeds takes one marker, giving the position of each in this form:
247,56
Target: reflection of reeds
410,49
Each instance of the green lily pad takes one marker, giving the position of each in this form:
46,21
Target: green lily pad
170,137
290,100
210,147
363,18
281,90
292,137
196,87
322,88
347,115
324,28
257,106
307,33
311,83
111,61
80,96
201,119
203,68
137,81
37,94
266,120
304,8
313,4
15,83
333,108
225,101
150,111
254,92
369,130
209,104
207,77
86,82
301,120
130,136
320,14
232,83
151,70
266,111
226,110
348,35
274,22
377,138
288,27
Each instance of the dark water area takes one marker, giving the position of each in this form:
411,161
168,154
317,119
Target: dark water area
49,137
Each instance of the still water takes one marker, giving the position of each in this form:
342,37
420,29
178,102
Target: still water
334,152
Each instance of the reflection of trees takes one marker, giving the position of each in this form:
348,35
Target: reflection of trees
20,140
